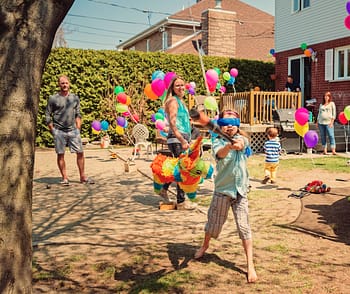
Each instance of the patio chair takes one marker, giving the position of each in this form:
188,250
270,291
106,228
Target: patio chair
140,135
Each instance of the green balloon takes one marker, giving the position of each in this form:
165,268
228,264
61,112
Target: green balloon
210,103
118,89
303,46
121,107
347,112
217,70
226,75
159,116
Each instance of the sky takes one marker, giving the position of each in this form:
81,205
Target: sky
103,24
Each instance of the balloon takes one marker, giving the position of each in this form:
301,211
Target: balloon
231,81
159,116
272,51
301,115
149,92
153,117
126,113
168,77
187,86
104,125
128,100
217,70
119,130
342,118
347,22
158,74
234,72
311,139
121,107
303,46
121,121
226,76
212,88
95,132
163,134
348,7
162,111
211,76
158,87
136,117
126,124
301,130
122,98
160,125
118,89
96,125
210,103
307,52
347,112
223,89
191,91
193,85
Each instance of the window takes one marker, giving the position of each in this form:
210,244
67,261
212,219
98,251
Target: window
337,65
342,63
300,4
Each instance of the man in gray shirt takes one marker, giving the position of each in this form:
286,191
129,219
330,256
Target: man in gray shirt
64,121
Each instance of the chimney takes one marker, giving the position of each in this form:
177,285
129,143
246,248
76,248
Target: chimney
218,4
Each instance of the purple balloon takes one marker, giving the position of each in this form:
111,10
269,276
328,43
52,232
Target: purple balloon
96,125
153,117
191,91
348,7
311,139
121,121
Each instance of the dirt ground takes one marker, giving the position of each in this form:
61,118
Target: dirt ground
111,237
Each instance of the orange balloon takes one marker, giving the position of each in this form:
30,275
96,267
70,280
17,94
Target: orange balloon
128,100
307,53
149,92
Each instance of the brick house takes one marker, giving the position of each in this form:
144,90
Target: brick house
227,28
319,25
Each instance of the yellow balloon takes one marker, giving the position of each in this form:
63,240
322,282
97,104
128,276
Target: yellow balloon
119,130
95,132
301,130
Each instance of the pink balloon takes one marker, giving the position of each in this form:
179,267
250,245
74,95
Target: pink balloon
121,97
234,72
347,22
301,115
158,87
168,77
126,113
212,76
160,125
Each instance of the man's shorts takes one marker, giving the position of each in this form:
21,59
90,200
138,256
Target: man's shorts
71,139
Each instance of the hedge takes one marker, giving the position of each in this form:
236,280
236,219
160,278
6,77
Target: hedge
95,73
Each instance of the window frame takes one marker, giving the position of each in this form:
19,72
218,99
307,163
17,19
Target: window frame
299,5
346,63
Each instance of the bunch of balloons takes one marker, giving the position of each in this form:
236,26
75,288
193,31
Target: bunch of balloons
301,127
122,124
344,116
159,119
212,79
307,51
347,18
272,52
98,126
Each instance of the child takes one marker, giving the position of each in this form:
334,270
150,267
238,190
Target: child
231,187
272,149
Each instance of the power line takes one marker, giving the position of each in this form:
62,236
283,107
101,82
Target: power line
98,29
91,42
131,8
106,19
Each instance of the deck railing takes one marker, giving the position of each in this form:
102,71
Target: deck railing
256,107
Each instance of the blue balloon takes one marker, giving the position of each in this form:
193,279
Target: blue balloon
104,125
164,134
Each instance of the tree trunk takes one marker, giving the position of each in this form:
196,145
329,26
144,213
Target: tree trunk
27,30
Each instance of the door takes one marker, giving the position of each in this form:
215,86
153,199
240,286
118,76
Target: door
300,68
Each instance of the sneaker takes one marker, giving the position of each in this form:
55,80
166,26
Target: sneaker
164,194
186,205
64,182
88,181
265,180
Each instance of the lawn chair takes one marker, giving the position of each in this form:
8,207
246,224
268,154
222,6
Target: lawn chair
140,135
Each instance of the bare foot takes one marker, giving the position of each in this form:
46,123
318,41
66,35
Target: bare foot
252,276
200,252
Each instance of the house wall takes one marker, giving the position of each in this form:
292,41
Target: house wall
321,22
339,89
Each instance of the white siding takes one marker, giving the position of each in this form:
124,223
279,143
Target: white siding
322,21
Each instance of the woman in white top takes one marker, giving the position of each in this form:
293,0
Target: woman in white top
325,121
